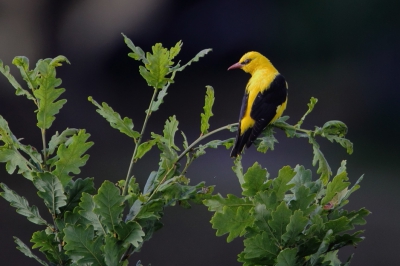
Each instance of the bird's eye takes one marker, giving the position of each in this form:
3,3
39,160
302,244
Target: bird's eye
245,62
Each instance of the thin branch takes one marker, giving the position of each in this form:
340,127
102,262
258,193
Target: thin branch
148,113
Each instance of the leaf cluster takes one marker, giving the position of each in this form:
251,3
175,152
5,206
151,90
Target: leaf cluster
290,219
88,226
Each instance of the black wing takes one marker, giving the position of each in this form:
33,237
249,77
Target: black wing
265,105
241,140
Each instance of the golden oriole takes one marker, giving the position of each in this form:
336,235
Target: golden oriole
264,100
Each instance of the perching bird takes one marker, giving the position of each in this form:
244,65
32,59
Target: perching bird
264,100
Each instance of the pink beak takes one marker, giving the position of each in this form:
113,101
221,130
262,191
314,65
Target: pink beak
235,66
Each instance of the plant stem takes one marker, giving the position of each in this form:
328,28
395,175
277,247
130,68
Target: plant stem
203,137
44,147
139,140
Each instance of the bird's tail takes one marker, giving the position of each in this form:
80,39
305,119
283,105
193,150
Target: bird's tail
241,141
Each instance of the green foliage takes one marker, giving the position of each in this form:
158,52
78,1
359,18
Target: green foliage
209,101
287,220
123,125
293,220
88,225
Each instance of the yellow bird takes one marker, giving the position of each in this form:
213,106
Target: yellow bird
264,100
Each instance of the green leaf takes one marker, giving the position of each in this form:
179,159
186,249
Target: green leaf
355,187
287,257
254,180
281,184
87,205
347,144
323,166
339,225
157,67
5,70
51,190
322,248
216,203
25,249
14,159
267,140
205,117
82,247
303,177
302,200
174,51
130,233
70,156
30,76
48,245
124,125
138,53
144,148
233,221
280,220
58,139
197,57
170,128
289,129
47,94
311,105
160,98
22,205
74,192
109,205
112,251
334,127
260,246
238,169
335,186
296,225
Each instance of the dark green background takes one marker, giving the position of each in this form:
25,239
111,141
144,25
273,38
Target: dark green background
345,53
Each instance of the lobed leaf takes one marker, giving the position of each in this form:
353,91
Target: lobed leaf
196,58
205,117
25,249
280,220
48,245
22,205
335,186
82,246
130,233
47,93
254,180
109,205
144,148
323,166
282,184
124,125
87,206
74,191
267,140
157,67
70,156
51,191
58,139
112,251
137,52
5,70
287,257
238,169
296,225
232,221
260,246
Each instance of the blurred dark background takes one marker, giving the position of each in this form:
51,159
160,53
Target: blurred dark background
345,53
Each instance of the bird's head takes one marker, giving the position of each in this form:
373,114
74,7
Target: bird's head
252,61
